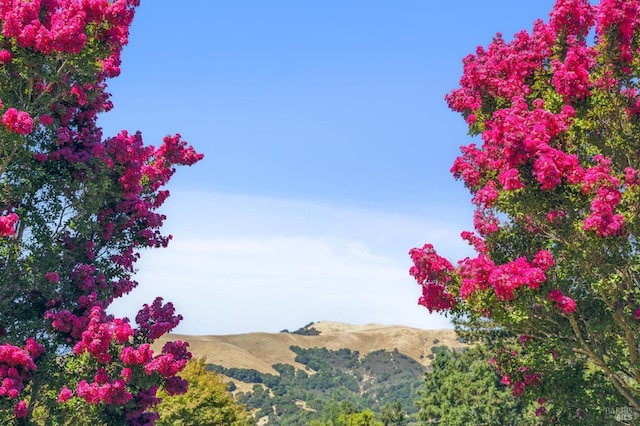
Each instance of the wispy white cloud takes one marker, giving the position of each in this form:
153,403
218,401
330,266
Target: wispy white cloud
240,264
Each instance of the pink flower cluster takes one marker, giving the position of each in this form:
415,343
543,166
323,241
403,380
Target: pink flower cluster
502,70
5,56
137,164
157,319
65,395
19,122
21,411
485,222
137,356
429,266
101,338
514,138
52,277
505,70
60,25
571,77
520,376
572,17
564,303
436,298
65,322
168,364
100,333
16,366
598,180
475,274
7,224
481,273
619,19
524,140
102,390
432,272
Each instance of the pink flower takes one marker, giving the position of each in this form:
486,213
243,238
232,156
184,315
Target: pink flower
487,195
5,56
555,216
475,241
101,376
52,277
19,122
157,319
21,410
429,266
80,94
175,385
518,389
46,120
566,304
40,157
485,222
34,348
603,218
142,355
475,274
7,224
630,176
524,339
436,298
543,260
65,395
540,411
471,119
572,16
126,374
510,179
571,77
507,278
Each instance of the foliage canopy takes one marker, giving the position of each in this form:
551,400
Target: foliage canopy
206,402
76,209
555,182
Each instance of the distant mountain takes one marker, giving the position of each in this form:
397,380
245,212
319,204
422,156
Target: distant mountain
260,351
292,378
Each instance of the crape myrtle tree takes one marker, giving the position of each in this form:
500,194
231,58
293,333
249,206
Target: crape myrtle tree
76,209
555,181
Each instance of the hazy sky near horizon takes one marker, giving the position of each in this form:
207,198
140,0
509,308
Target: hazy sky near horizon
327,147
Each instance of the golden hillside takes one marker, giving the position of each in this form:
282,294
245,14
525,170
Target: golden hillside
259,351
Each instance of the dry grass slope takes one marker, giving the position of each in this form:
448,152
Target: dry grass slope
259,351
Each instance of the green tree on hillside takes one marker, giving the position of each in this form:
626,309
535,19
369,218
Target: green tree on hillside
462,388
362,418
345,414
394,415
207,401
332,378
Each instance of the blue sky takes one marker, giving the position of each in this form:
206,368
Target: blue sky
327,147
